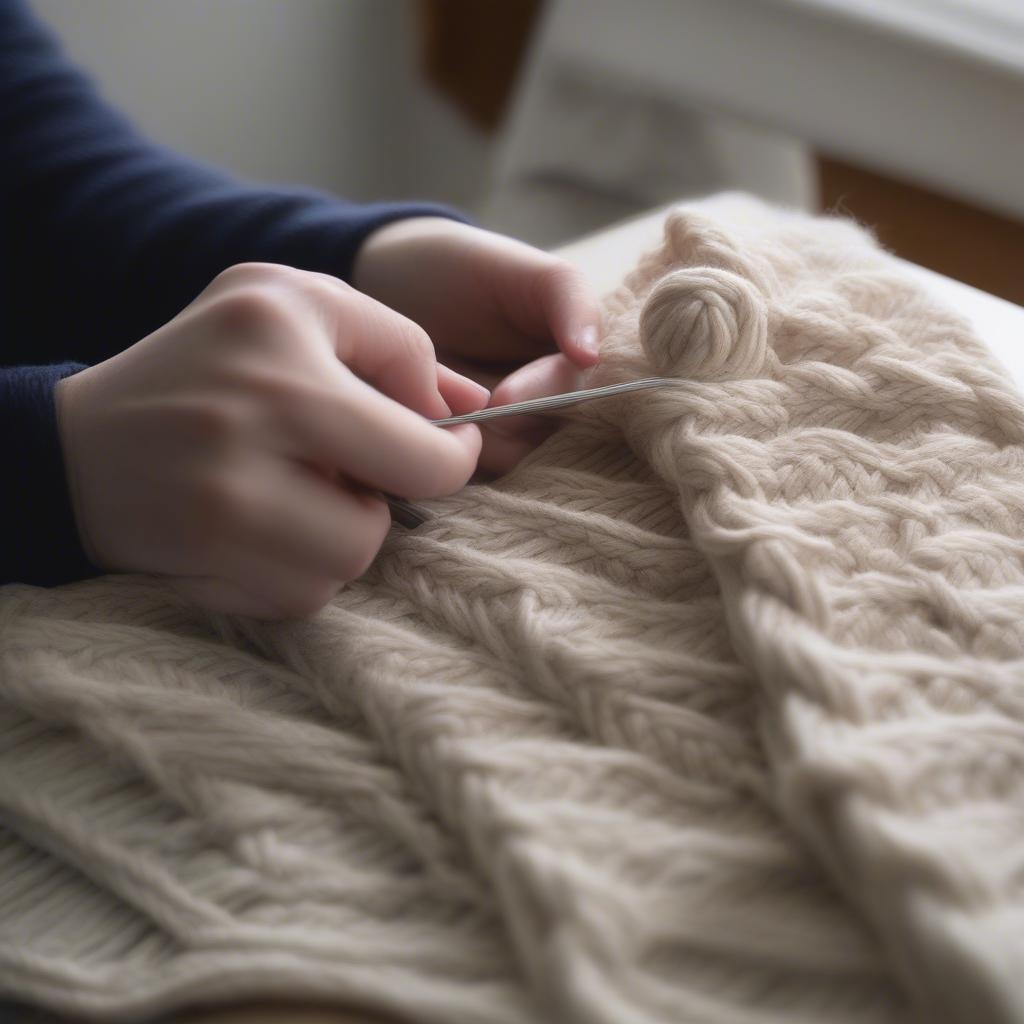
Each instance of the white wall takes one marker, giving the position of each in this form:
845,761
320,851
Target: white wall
327,93
318,92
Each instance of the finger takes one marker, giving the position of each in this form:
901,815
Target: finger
376,343
316,526
260,589
387,350
462,394
490,375
507,440
256,583
549,375
570,311
380,443
499,454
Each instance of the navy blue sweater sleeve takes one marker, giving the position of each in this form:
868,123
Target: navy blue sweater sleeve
108,235
40,542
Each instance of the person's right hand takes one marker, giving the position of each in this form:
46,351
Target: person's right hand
240,448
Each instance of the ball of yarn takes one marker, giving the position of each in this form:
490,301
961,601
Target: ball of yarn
705,323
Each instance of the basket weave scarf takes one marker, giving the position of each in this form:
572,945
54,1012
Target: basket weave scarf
713,710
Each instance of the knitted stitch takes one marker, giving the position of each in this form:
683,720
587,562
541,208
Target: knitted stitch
711,711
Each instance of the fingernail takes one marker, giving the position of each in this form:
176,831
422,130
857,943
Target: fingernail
483,392
587,340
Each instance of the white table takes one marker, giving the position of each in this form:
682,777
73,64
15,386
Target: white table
609,254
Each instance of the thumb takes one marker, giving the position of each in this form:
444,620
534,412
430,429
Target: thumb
572,312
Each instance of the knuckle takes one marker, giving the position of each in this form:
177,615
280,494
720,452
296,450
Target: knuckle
248,313
336,285
329,290
414,344
238,274
241,274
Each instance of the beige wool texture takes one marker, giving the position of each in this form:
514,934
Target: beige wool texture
712,711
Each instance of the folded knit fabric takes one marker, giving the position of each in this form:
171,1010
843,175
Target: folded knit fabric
713,710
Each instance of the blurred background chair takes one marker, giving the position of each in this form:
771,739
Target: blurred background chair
909,115
550,119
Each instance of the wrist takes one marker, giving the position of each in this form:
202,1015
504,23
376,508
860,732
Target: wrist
370,270
64,399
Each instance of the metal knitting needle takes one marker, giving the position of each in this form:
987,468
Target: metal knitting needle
535,406
409,515
405,513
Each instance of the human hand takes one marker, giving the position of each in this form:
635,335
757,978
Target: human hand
241,448
514,318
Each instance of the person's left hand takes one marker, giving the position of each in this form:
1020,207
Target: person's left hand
516,319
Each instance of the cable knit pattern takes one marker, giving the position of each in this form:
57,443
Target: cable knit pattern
712,711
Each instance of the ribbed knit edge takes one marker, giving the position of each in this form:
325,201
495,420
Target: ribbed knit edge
40,539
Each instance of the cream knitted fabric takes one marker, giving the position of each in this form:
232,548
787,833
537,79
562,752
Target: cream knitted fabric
711,711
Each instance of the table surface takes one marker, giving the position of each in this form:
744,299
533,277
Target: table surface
606,257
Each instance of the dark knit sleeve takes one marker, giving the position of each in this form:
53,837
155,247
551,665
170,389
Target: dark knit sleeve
110,235
40,541
106,236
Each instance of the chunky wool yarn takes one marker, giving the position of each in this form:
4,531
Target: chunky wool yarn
713,710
